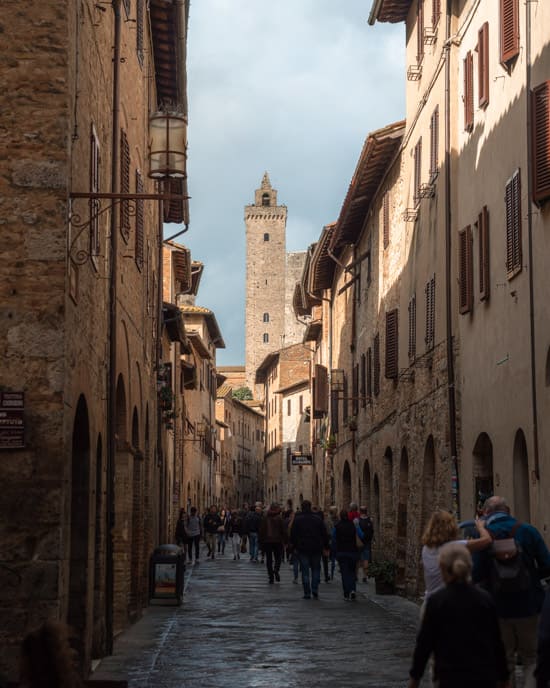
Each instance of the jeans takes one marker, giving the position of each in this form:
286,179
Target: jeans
273,550
348,563
221,542
313,562
325,567
253,545
194,540
211,543
236,544
520,636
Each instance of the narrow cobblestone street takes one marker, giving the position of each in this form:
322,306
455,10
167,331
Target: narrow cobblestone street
234,629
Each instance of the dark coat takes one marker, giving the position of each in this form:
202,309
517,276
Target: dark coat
211,523
344,538
308,533
460,626
272,528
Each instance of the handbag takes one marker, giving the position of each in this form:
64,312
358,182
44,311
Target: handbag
221,529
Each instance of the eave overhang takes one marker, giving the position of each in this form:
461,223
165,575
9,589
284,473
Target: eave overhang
378,152
313,331
265,365
169,19
392,11
196,274
198,345
182,268
173,322
321,271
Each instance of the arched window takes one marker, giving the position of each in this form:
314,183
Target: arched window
266,237
266,317
266,338
265,199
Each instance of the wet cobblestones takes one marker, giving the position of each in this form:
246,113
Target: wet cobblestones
236,630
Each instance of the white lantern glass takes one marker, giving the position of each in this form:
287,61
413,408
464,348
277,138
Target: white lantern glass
167,145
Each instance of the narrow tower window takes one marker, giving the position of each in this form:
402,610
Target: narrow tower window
265,199
266,338
266,237
266,317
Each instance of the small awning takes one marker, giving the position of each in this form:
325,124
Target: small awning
313,331
172,320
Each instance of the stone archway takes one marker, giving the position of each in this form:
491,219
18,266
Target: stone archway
346,486
136,508
522,500
80,605
388,515
99,639
402,517
483,468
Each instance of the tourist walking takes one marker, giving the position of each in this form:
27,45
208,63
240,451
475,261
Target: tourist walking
367,528
460,627
310,538
181,535
211,523
193,531
221,534
272,537
511,570
344,547
252,525
234,533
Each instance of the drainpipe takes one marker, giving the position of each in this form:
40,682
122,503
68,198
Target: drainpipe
528,23
448,259
158,358
111,392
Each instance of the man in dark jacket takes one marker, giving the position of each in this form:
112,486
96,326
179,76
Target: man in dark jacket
518,611
272,537
212,522
252,526
309,538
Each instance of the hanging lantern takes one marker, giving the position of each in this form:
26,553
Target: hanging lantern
167,145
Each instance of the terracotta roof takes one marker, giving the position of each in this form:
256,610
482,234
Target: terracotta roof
300,309
293,387
389,11
223,390
322,266
313,330
261,371
211,323
377,154
169,31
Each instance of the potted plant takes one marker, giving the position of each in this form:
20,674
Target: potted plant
329,444
383,571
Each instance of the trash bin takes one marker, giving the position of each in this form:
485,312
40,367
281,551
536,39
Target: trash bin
166,574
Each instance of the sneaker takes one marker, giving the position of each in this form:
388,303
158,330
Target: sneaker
327,580
277,577
307,597
234,558
364,579
238,556
295,580
352,595
271,581
346,598
315,595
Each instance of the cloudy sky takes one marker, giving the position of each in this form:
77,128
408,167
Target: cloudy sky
292,87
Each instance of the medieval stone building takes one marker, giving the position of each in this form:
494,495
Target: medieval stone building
83,474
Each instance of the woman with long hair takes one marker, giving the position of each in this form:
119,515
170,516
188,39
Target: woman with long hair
442,528
460,627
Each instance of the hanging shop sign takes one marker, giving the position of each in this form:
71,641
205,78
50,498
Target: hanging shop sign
12,421
299,459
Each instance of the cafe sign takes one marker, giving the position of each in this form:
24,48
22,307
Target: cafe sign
12,422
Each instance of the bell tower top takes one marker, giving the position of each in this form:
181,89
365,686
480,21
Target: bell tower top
266,195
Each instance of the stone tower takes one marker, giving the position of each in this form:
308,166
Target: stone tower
265,277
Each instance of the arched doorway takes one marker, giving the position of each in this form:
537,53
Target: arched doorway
366,486
388,514
428,482
402,500
121,543
346,486
99,642
483,468
376,508
136,549
79,588
522,501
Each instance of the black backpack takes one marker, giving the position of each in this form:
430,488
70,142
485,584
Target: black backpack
509,574
365,523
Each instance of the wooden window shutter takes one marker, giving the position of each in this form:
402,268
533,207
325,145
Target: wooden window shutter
124,184
430,314
139,222
355,390
417,170
386,218
420,32
369,373
363,386
436,12
392,344
465,270
334,412
483,65
513,225
541,142
94,188
468,91
483,238
509,30
320,391
412,328
376,365
434,143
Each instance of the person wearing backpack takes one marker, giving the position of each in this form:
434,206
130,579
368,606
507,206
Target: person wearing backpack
511,570
367,527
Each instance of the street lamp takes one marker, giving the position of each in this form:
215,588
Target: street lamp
167,145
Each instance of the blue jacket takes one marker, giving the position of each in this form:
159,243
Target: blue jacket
537,559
